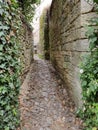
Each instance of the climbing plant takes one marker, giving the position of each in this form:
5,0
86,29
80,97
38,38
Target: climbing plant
28,7
9,64
89,77
10,22
44,35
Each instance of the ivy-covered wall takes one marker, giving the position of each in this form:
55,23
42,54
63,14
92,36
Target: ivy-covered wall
68,41
15,47
9,64
44,47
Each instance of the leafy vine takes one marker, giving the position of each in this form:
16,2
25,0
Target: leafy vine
10,69
89,78
9,65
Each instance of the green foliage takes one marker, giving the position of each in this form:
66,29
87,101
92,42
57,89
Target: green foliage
28,7
42,26
40,56
44,35
10,23
96,1
89,79
9,65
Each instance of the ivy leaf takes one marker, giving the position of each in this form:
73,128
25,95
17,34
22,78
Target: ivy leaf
2,66
84,83
8,107
4,27
7,128
90,31
1,33
1,112
92,43
14,111
1,11
3,90
94,128
1,47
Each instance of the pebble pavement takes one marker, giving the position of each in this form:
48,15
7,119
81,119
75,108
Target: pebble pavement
44,101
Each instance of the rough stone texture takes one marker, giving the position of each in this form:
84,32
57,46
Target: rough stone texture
44,34
68,40
26,47
44,102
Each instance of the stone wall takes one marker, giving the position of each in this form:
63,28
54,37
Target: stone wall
44,34
26,47
68,41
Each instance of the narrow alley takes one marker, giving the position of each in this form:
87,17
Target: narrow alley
48,65
44,102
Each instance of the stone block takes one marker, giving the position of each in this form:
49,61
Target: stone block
68,41
85,18
86,6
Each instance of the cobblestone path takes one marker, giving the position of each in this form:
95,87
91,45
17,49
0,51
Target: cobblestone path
44,103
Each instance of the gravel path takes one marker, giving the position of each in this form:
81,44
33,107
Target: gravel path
44,102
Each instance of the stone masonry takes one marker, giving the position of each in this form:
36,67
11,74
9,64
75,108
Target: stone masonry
44,34
26,47
68,41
